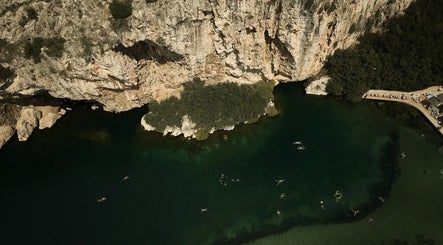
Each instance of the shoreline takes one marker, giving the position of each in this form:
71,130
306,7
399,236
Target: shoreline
409,98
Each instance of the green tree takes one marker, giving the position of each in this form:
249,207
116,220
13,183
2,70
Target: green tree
121,9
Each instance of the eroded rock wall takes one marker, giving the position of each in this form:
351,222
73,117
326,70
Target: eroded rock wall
217,40
165,43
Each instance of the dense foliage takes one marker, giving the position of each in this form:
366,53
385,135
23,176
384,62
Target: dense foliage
121,9
406,57
212,106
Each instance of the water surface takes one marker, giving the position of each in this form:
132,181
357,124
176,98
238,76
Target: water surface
50,184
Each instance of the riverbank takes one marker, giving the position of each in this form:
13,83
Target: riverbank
415,99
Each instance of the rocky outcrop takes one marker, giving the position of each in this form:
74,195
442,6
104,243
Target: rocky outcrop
50,115
86,55
28,120
6,132
318,86
24,119
8,118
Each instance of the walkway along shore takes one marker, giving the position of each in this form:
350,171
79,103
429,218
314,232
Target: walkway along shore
415,99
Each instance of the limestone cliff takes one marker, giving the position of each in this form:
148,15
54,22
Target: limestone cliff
87,55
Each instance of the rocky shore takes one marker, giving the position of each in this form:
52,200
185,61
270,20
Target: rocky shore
24,119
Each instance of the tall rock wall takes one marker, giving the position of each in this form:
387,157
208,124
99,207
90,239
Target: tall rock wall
172,41
76,50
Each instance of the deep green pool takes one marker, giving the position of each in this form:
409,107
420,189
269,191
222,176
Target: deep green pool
49,186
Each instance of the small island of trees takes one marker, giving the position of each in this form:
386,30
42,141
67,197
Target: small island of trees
213,106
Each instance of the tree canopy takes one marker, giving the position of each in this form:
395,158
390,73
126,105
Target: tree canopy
213,106
407,56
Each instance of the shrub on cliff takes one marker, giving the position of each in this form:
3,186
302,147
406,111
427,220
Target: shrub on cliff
31,13
5,73
121,9
54,47
33,49
308,4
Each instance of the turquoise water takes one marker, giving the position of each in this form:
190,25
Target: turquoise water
50,184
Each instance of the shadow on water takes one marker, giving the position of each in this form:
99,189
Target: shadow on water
85,156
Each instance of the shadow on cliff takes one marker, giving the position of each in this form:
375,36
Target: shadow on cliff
149,50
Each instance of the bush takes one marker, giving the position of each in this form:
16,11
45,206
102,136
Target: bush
33,49
31,13
121,9
5,73
55,47
87,47
308,4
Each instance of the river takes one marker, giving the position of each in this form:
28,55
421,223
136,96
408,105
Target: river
50,184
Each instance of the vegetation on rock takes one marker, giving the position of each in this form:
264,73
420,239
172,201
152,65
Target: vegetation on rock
5,73
33,49
54,47
31,14
121,9
213,106
308,4
87,47
406,57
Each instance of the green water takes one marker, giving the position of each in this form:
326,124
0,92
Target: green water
413,213
50,184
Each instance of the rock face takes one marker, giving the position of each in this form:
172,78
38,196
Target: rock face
6,132
28,120
216,40
24,119
8,119
318,86
163,44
